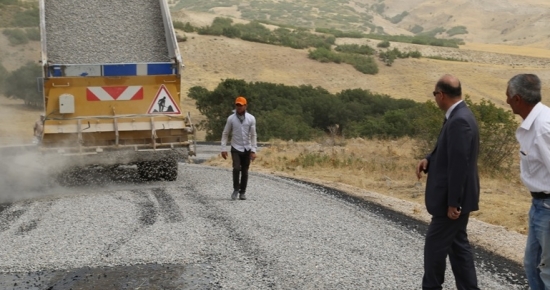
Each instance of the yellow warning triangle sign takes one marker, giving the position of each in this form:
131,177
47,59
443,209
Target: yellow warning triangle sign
163,103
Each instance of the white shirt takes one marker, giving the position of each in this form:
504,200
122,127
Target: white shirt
450,110
243,134
534,139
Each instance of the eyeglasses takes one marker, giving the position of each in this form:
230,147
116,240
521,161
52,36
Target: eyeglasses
238,105
435,93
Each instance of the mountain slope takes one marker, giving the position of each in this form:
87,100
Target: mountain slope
514,22
487,21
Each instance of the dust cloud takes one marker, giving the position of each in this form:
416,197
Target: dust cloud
27,173
23,173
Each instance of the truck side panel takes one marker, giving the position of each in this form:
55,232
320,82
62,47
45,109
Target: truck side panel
107,111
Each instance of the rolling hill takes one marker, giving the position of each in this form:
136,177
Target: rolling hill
490,60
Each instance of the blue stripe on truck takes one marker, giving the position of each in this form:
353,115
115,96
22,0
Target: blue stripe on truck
159,69
112,70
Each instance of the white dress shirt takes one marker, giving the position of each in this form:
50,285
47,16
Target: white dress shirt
243,133
534,139
450,110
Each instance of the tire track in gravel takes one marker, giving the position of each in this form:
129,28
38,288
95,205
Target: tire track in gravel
9,215
147,209
149,213
38,213
264,267
169,209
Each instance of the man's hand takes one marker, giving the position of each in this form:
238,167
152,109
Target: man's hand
422,165
453,212
252,156
224,154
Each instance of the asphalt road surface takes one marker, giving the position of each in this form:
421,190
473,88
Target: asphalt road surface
117,232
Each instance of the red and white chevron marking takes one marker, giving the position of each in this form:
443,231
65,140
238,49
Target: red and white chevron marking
120,93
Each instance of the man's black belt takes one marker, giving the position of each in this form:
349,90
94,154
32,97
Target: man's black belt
539,195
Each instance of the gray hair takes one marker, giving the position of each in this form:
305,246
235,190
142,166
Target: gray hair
527,86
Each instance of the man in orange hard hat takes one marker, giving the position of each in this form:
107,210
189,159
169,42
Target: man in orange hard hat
242,127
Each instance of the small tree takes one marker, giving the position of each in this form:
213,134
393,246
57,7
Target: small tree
497,134
22,84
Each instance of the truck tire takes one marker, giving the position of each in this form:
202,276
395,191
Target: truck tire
168,170
146,170
162,170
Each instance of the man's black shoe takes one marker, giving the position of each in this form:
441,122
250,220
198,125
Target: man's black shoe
242,196
234,194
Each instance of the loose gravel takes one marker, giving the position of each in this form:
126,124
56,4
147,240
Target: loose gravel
287,235
105,31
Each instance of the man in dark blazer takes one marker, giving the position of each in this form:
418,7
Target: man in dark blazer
452,190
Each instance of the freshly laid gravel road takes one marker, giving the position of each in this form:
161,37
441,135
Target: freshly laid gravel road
188,234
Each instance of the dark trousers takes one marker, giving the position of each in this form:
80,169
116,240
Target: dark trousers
448,237
241,162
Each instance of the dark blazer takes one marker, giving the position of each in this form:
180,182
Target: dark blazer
453,178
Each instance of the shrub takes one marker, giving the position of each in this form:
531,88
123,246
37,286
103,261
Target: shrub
446,58
397,18
364,64
497,129
301,113
422,39
379,8
22,84
16,36
33,34
3,75
217,26
390,55
355,48
383,44
189,28
340,33
276,124
432,33
178,25
457,30
231,32
415,54
416,29
27,18
324,55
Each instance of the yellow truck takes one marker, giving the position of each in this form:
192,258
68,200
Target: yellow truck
111,85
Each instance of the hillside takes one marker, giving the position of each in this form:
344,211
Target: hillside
209,59
513,22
